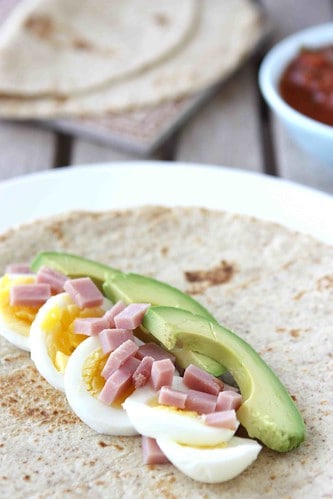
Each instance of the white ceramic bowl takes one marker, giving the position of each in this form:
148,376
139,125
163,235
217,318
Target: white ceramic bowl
313,136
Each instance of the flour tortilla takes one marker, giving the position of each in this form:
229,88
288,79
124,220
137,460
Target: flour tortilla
227,31
59,47
277,295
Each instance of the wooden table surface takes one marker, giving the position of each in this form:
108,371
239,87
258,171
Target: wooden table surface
234,129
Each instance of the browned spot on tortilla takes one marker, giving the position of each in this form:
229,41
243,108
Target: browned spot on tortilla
56,229
294,333
80,44
325,282
161,19
164,250
41,26
203,279
220,274
299,295
280,330
102,444
26,395
26,477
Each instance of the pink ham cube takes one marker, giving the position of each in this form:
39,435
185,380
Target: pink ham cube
118,384
29,295
110,339
222,419
143,372
113,311
155,351
18,268
90,326
84,292
172,397
200,380
228,399
151,452
131,317
118,357
162,373
55,279
200,402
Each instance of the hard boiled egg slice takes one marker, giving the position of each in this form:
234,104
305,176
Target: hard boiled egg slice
15,321
52,340
83,382
211,464
154,420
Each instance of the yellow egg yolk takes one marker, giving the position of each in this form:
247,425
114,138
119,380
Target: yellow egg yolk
18,318
91,371
94,381
58,327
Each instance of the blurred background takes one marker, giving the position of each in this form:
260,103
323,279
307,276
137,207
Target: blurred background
228,124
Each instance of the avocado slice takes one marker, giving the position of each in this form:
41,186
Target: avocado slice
268,412
186,357
138,288
141,289
131,288
74,266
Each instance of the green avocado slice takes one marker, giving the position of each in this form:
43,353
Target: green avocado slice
74,266
268,412
138,288
131,288
141,289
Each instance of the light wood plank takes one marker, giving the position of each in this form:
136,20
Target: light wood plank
226,132
84,152
292,162
24,149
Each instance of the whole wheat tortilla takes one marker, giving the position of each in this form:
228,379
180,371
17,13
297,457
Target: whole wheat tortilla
59,47
227,31
271,285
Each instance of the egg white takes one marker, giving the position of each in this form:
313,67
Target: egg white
97,415
8,330
38,344
211,465
152,420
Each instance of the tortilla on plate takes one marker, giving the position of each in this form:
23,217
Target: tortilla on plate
272,286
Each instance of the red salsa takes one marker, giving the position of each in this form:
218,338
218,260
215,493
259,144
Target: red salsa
307,83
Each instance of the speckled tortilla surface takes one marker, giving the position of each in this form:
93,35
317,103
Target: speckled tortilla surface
274,287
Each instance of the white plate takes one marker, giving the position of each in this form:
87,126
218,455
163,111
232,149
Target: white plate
120,185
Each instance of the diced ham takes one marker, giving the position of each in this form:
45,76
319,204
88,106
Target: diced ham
155,351
52,277
200,402
172,397
227,400
118,357
18,268
162,373
118,384
131,317
143,372
110,339
29,295
222,419
89,326
151,452
84,292
113,311
230,387
200,380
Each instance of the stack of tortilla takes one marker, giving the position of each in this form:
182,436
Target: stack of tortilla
273,286
63,58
